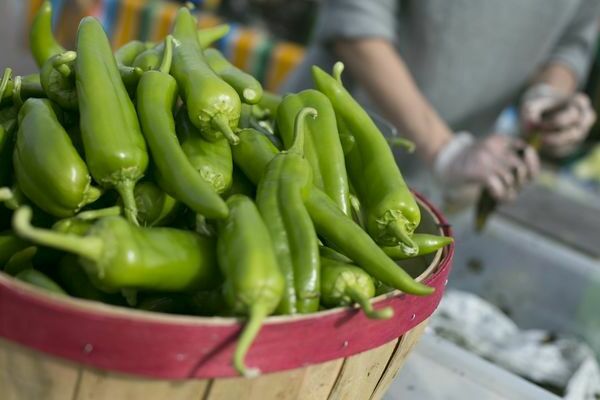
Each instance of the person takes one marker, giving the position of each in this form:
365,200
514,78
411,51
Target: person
442,72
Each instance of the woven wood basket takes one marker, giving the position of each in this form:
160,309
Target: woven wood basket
53,348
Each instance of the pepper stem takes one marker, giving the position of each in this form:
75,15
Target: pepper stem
399,231
222,124
60,63
89,215
88,247
258,313
4,82
406,144
5,194
249,94
338,68
165,65
367,307
125,189
299,129
16,94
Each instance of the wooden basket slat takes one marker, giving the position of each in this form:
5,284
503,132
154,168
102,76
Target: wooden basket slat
26,374
405,345
361,372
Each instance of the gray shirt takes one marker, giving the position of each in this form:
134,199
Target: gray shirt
470,58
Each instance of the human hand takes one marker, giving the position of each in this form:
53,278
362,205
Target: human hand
563,121
500,163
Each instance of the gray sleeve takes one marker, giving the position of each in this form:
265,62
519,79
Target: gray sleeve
356,19
577,45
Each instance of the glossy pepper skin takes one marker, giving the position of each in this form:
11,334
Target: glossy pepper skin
42,42
115,149
392,213
253,283
155,207
156,97
212,159
47,167
254,153
118,255
213,106
322,147
247,87
280,198
343,284
58,80
427,244
40,280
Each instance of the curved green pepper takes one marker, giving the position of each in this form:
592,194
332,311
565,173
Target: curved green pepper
75,281
322,147
155,207
156,96
247,87
40,280
343,284
82,222
392,214
280,197
118,255
252,156
20,260
58,80
124,56
115,149
42,42
47,167
427,244
212,159
149,59
253,281
213,106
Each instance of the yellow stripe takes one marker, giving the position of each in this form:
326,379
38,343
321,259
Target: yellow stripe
243,47
284,58
127,26
167,15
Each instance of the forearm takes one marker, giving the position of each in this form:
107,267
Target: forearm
559,76
378,67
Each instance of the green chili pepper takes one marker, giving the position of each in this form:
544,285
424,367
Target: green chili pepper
42,42
253,282
427,244
246,86
270,102
58,80
322,147
343,284
156,96
330,253
252,156
20,260
118,255
213,106
149,59
75,281
155,207
392,213
9,245
241,185
280,198
47,167
41,280
82,222
124,57
212,159
208,36
115,149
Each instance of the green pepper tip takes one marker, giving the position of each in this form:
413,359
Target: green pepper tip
258,312
249,94
338,68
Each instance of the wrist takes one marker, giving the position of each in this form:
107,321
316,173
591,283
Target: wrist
447,154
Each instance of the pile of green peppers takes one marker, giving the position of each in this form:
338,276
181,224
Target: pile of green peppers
164,178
